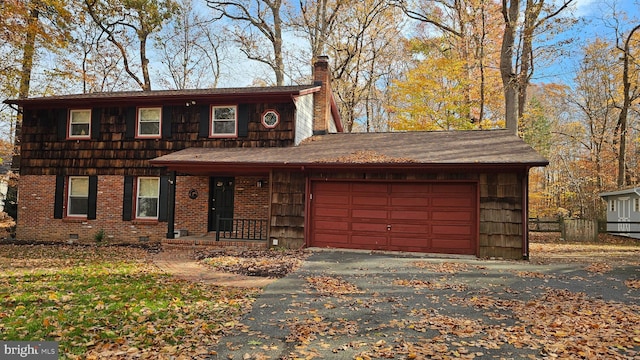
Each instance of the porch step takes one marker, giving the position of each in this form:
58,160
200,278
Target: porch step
209,243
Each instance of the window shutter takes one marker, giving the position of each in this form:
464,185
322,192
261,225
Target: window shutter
164,197
167,112
205,120
130,121
243,120
58,202
93,197
60,116
96,117
127,201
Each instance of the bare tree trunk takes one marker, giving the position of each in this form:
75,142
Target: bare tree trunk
624,111
509,79
28,53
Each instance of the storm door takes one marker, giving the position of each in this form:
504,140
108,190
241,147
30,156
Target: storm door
221,203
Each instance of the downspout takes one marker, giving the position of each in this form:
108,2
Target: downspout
171,206
525,214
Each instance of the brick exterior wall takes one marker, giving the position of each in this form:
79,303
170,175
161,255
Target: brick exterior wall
36,222
192,214
251,202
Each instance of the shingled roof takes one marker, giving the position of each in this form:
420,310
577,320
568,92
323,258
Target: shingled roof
170,95
392,149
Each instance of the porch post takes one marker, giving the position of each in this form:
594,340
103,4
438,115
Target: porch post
171,206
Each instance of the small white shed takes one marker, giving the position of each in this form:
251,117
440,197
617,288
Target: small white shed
623,212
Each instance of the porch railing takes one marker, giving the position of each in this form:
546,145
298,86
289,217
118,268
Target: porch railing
241,229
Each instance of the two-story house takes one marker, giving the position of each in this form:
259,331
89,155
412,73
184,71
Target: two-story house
267,166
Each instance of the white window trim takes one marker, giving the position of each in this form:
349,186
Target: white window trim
69,179
138,199
138,119
69,133
212,120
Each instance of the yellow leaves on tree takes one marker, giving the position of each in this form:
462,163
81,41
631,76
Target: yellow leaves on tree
432,97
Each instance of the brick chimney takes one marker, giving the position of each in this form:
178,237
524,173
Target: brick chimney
322,98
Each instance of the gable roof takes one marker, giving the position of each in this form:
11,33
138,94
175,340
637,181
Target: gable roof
634,190
247,94
438,149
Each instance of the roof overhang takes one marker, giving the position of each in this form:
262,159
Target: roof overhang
171,97
635,190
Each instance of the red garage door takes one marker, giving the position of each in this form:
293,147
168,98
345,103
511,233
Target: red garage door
421,217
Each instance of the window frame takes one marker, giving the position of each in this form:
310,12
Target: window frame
70,134
137,199
139,120
264,115
212,121
68,197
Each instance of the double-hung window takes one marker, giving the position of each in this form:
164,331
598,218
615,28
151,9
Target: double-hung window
147,200
223,121
149,122
80,124
78,196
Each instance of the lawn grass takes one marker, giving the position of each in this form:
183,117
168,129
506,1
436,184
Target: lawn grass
109,302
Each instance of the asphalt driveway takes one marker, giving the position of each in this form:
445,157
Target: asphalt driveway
356,305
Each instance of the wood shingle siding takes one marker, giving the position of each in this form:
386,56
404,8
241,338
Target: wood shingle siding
114,150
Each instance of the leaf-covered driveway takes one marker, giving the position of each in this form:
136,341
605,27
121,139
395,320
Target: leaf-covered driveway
362,306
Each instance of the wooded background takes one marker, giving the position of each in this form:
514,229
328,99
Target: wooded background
396,64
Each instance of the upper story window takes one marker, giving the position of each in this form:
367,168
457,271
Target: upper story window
223,121
612,205
149,120
270,119
78,196
148,198
80,124
636,205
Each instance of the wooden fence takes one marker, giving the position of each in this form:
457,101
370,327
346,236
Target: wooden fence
570,229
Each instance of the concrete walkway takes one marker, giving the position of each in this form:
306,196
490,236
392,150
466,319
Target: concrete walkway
182,265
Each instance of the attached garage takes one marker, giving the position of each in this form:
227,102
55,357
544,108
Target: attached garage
434,217
449,192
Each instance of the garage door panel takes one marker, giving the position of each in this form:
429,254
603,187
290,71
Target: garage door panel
424,217
374,188
376,242
369,213
452,216
368,226
409,215
452,202
416,229
333,238
450,244
373,200
413,201
331,199
331,225
450,230
452,188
